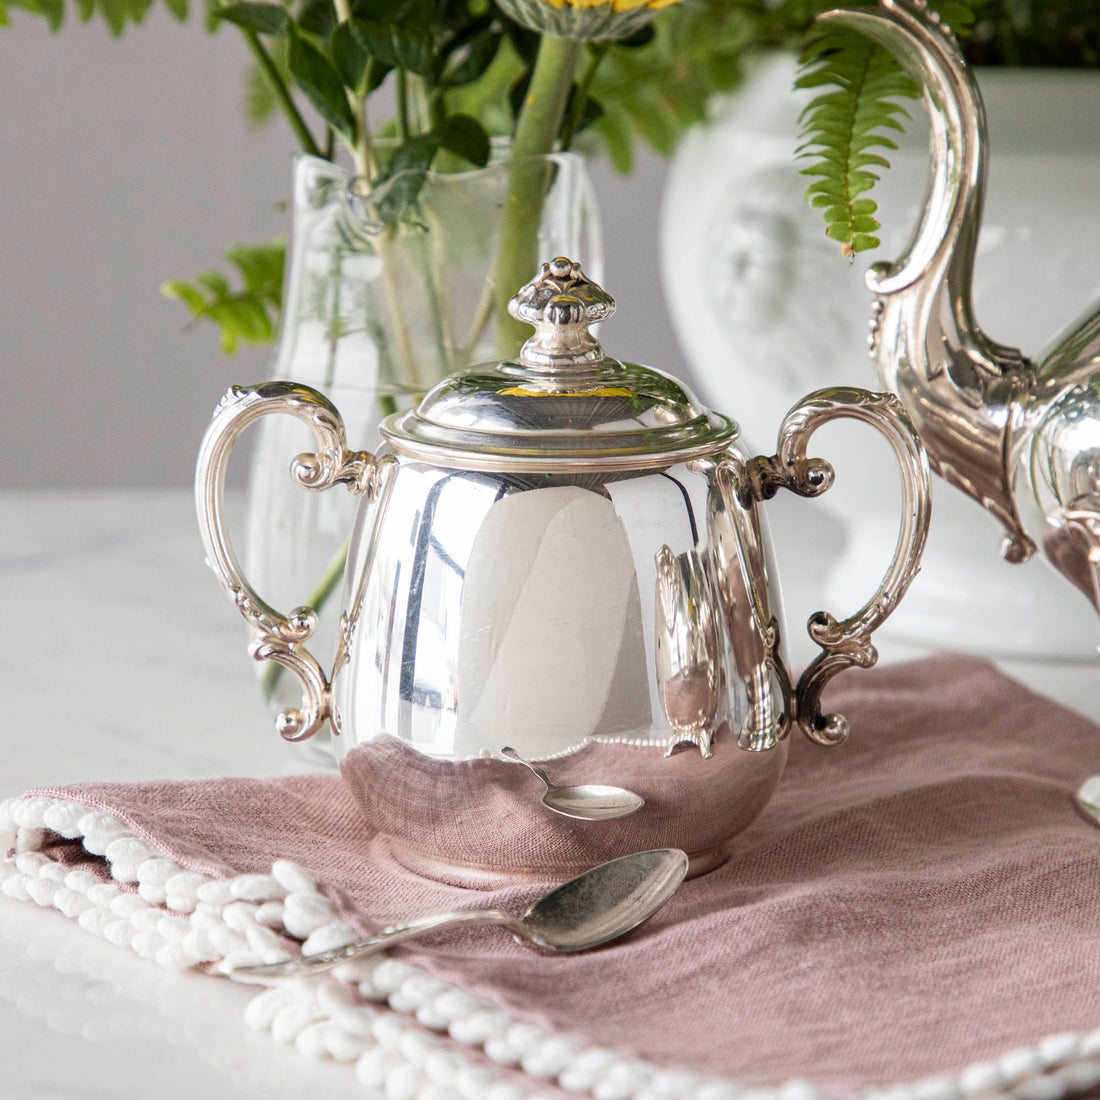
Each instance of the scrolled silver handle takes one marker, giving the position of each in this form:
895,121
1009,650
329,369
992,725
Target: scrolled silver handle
275,636
847,642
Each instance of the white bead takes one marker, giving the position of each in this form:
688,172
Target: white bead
225,940
428,1015
30,863
216,891
356,970
526,1037
204,921
146,944
146,920
8,834
264,1007
453,1003
239,915
327,937
15,886
415,1045
126,905
292,878
128,850
265,942
390,973
1080,1077
1018,1064
242,956
310,1041
1090,1045
586,1069
103,894
290,1019
71,902
674,1083
416,990
476,1029
621,1081
82,881
716,1090
444,1066
374,1065
1055,1049
173,956
403,1082
119,932
28,812
435,1091
198,946
505,1091
152,892
1041,1088
173,929
499,1050
63,818
343,1046
798,1089
389,1028
99,829
270,914
936,1088
41,891
472,1082
304,913
94,920
257,888
551,1056
984,1076
180,891
53,872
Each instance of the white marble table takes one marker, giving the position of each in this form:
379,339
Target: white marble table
123,660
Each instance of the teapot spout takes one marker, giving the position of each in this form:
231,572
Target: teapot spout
961,389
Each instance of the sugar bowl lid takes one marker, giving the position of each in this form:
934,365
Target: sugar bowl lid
563,405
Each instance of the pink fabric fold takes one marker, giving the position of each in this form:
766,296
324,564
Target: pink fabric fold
920,898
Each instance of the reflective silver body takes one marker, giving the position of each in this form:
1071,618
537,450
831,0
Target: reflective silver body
551,611
565,555
1020,437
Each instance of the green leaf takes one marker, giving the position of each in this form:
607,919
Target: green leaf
320,81
467,63
351,53
404,175
395,45
465,136
253,16
249,314
317,17
178,8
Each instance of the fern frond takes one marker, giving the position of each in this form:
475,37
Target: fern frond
845,129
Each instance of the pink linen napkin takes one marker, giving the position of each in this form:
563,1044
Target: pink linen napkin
919,899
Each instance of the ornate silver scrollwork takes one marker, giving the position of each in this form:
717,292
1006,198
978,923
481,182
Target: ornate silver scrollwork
276,637
847,642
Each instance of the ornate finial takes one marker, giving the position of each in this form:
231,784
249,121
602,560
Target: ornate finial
561,304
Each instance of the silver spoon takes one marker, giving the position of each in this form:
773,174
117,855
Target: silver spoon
589,802
1087,799
599,905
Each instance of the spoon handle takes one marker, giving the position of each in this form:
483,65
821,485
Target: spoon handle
324,961
513,755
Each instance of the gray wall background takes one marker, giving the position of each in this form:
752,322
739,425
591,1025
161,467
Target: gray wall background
127,162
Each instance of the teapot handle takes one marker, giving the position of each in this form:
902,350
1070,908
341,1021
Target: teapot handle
275,636
847,642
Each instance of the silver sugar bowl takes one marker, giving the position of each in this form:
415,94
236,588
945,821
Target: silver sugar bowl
565,556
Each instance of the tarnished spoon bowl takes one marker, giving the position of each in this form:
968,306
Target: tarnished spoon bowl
595,907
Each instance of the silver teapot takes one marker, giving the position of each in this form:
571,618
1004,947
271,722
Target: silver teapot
561,556
1019,436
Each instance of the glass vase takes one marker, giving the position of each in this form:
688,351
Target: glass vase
385,294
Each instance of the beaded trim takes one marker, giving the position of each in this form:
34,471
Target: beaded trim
398,1040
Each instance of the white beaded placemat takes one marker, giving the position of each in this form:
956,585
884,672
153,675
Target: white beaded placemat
408,1035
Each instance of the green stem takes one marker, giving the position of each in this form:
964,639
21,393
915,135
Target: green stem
597,52
318,598
361,154
281,93
401,117
537,129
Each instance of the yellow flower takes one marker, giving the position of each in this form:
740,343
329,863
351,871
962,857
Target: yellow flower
593,20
